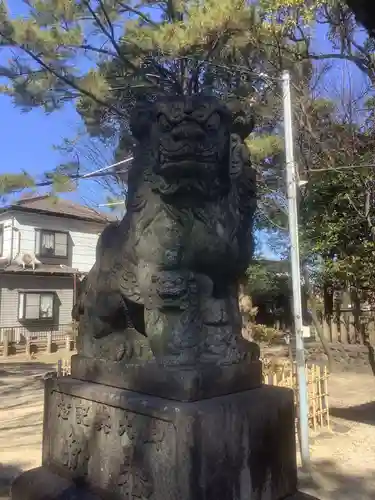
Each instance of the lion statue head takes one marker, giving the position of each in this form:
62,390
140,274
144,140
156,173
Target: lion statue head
188,142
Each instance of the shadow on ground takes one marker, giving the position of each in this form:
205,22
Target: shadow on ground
21,383
7,474
364,413
25,369
21,395
327,482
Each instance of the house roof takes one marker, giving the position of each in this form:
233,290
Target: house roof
40,269
58,207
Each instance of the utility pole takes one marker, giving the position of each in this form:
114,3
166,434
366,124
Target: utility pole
292,180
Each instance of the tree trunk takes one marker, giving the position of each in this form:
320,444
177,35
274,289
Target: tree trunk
370,347
362,330
315,319
371,354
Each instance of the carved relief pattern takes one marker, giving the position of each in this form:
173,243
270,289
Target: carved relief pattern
156,434
63,408
89,430
83,416
102,421
127,425
134,481
134,477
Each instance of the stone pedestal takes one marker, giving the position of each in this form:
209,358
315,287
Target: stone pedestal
172,382
102,442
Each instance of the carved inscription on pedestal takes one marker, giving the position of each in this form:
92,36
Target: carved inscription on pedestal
102,419
145,439
126,426
113,449
82,412
133,481
63,407
75,455
156,435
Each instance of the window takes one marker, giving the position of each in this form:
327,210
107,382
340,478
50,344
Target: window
36,305
1,239
51,243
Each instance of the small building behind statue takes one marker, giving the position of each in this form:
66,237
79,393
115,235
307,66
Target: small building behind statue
46,247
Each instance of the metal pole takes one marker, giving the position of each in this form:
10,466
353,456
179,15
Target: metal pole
291,179
103,169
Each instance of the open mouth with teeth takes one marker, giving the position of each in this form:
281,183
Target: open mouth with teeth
186,167
186,164
172,293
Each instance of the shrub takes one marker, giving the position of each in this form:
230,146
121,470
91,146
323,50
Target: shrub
265,334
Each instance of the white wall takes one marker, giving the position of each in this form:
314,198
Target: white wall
83,236
6,222
11,286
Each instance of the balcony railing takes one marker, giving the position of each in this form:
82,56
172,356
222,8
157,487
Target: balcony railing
37,333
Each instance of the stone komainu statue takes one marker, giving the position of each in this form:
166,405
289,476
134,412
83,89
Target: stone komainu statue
165,282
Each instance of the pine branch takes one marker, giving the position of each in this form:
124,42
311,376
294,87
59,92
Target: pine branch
195,76
99,50
61,77
50,182
111,37
128,8
109,22
343,57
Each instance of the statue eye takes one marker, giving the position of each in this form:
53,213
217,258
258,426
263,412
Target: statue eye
213,122
164,123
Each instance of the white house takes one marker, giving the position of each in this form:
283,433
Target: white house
56,240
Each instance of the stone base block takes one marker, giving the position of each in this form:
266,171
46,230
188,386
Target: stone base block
173,382
43,484
100,442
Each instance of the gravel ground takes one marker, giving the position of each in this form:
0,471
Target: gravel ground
343,459
21,414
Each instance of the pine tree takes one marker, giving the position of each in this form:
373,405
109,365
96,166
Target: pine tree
104,55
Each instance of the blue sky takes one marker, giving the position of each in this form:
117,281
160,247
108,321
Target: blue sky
28,138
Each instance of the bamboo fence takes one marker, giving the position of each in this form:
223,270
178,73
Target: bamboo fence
63,368
317,387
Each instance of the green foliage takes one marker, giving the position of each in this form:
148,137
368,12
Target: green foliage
265,334
337,208
259,279
336,218
265,146
61,183
11,182
266,278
